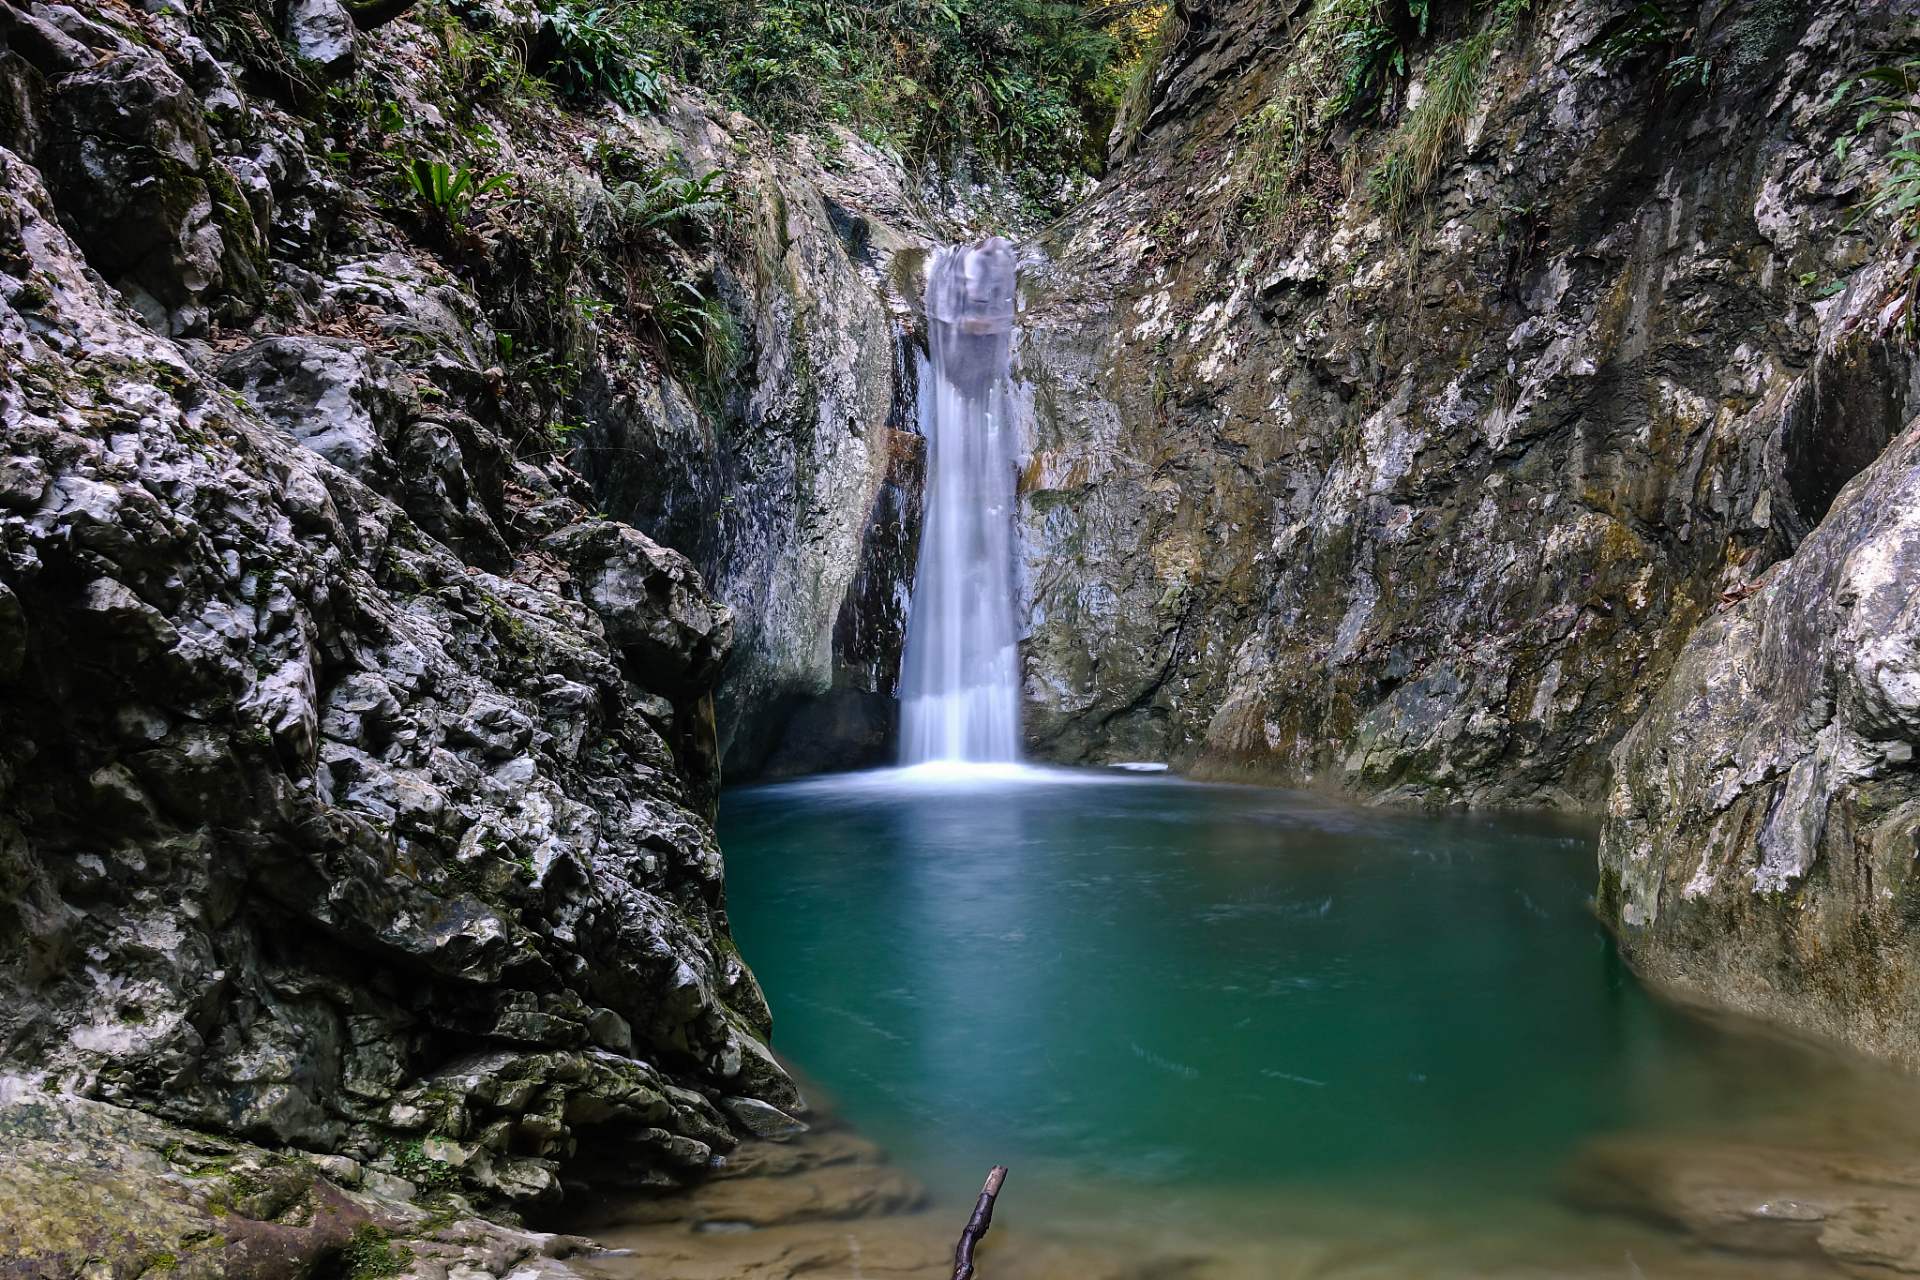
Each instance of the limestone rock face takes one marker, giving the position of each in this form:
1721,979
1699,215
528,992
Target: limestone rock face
1426,510
651,602
132,166
313,833
1760,835
788,491
320,33
329,394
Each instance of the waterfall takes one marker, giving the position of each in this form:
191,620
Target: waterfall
960,678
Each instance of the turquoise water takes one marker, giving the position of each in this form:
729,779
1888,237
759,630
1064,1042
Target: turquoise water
1117,982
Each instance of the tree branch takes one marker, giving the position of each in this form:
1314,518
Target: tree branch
977,1225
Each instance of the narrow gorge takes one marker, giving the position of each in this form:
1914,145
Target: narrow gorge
447,440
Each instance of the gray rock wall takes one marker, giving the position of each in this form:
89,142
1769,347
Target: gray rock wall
774,484
1426,511
356,781
1761,831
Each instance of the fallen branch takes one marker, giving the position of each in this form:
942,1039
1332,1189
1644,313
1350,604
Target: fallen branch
377,13
977,1225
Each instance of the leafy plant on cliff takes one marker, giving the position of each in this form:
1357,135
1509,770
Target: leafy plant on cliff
1889,97
595,52
1155,32
698,331
1350,69
1649,33
447,192
1017,83
1413,156
244,31
671,201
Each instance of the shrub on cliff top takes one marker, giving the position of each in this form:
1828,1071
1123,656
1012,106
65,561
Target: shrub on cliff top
593,51
1026,84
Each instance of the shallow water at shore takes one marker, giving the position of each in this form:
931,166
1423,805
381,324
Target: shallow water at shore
1261,1028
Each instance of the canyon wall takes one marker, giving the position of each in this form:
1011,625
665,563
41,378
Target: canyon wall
1584,480
1425,507
357,772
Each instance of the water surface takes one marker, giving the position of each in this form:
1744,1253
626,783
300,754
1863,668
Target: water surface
1217,1000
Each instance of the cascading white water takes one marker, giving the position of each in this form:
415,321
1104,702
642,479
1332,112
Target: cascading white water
960,678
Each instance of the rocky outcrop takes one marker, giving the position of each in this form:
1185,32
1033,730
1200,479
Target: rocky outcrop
797,492
90,1188
1425,507
1760,836
316,835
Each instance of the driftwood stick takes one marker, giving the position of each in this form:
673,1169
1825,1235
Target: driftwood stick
977,1225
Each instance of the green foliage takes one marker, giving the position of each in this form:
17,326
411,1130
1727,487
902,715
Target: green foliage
698,331
1016,81
1646,28
368,1256
243,30
446,192
1413,155
1132,92
1371,39
1412,159
1348,69
422,1170
1649,32
1888,97
595,53
671,201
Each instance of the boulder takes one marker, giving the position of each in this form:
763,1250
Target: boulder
1759,840
653,603
134,178
320,34
332,395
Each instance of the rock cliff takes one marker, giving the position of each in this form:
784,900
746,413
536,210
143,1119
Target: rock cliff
357,772
1582,475
1421,499
1761,832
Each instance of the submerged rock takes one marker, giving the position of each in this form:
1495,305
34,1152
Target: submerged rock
1858,1211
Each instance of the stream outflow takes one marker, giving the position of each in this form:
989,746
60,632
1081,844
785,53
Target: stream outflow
960,689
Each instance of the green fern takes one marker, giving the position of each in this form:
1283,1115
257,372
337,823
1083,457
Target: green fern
671,201
447,192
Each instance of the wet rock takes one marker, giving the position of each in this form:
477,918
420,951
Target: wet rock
652,602
760,1119
829,1176
49,50
1758,848
333,396
610,1031
13,634
771,490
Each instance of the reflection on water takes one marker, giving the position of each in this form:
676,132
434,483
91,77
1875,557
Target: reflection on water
1200,1007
